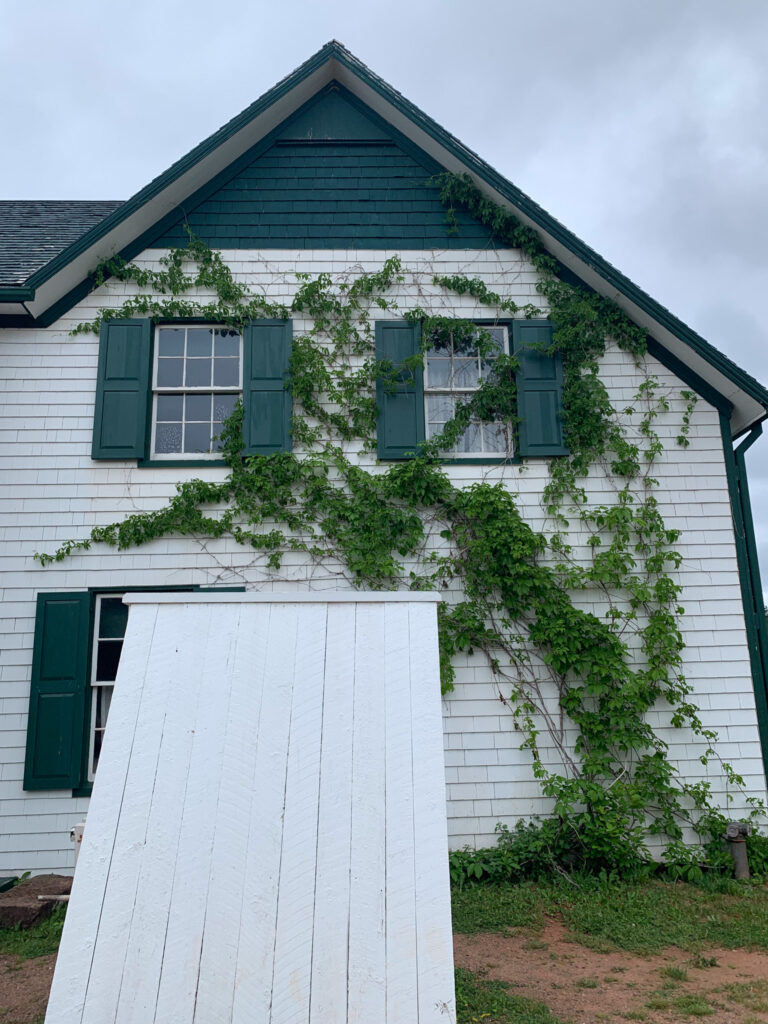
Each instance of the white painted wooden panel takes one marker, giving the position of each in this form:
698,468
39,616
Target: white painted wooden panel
267,834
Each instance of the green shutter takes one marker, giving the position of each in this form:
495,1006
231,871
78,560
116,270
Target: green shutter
122,390
57,695
539,390
266,400
400,403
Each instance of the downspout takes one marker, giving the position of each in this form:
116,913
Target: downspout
749,573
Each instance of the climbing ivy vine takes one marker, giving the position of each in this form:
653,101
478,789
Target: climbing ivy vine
519,597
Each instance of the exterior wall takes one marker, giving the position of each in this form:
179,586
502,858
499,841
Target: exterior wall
53,491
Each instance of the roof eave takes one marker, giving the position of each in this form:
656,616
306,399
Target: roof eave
165,193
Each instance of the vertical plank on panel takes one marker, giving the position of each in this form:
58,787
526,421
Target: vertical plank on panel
188,904
367,952
177,668
296,894
402,977
433,913
330,925
132,838
81,930
256,948
232,827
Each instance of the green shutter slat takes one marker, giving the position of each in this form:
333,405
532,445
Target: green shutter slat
57,695
539,390
122,390
400,404
266,400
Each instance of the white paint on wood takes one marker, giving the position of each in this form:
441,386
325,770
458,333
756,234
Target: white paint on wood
53,491
252,852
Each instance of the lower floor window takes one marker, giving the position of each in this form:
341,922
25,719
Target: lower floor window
110,620
78,644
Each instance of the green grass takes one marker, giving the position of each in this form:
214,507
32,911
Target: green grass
639,918
751,994
27,943
490,1002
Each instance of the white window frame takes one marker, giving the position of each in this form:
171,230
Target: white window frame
96,684
184,390
451,391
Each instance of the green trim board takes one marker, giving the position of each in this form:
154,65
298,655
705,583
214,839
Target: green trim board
689,377
15,293
749,574
365,187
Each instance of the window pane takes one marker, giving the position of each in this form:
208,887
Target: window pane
167,438
439,408
498,335
197,407
170,341
226,343
486,366
199,341
494,438
441,342
169,408
169,373
438,372
465,343
470,439
465,373
113,617
223,406
198,373
107,660
103,700
226,373
197,437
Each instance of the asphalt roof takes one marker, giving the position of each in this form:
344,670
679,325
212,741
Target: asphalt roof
33,231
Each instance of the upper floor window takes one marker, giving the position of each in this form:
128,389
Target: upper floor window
197,379
454,370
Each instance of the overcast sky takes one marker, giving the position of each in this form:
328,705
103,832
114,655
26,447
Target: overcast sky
641,124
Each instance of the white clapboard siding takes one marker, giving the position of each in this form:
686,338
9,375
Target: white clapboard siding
267,835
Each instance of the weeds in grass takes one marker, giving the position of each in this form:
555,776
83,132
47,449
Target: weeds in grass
753,995
692,1005
701,963
674,973
491,1002
41,940
640,918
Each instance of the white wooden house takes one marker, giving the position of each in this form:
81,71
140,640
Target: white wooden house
327,172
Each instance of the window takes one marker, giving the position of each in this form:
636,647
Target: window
414,403
110,620
78,643
163,390
454,369
197,379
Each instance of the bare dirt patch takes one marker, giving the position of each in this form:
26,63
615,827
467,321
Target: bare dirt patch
579,985
584,986
24,988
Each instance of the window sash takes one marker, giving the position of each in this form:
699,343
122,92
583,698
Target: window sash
479,437
188,351
101,689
